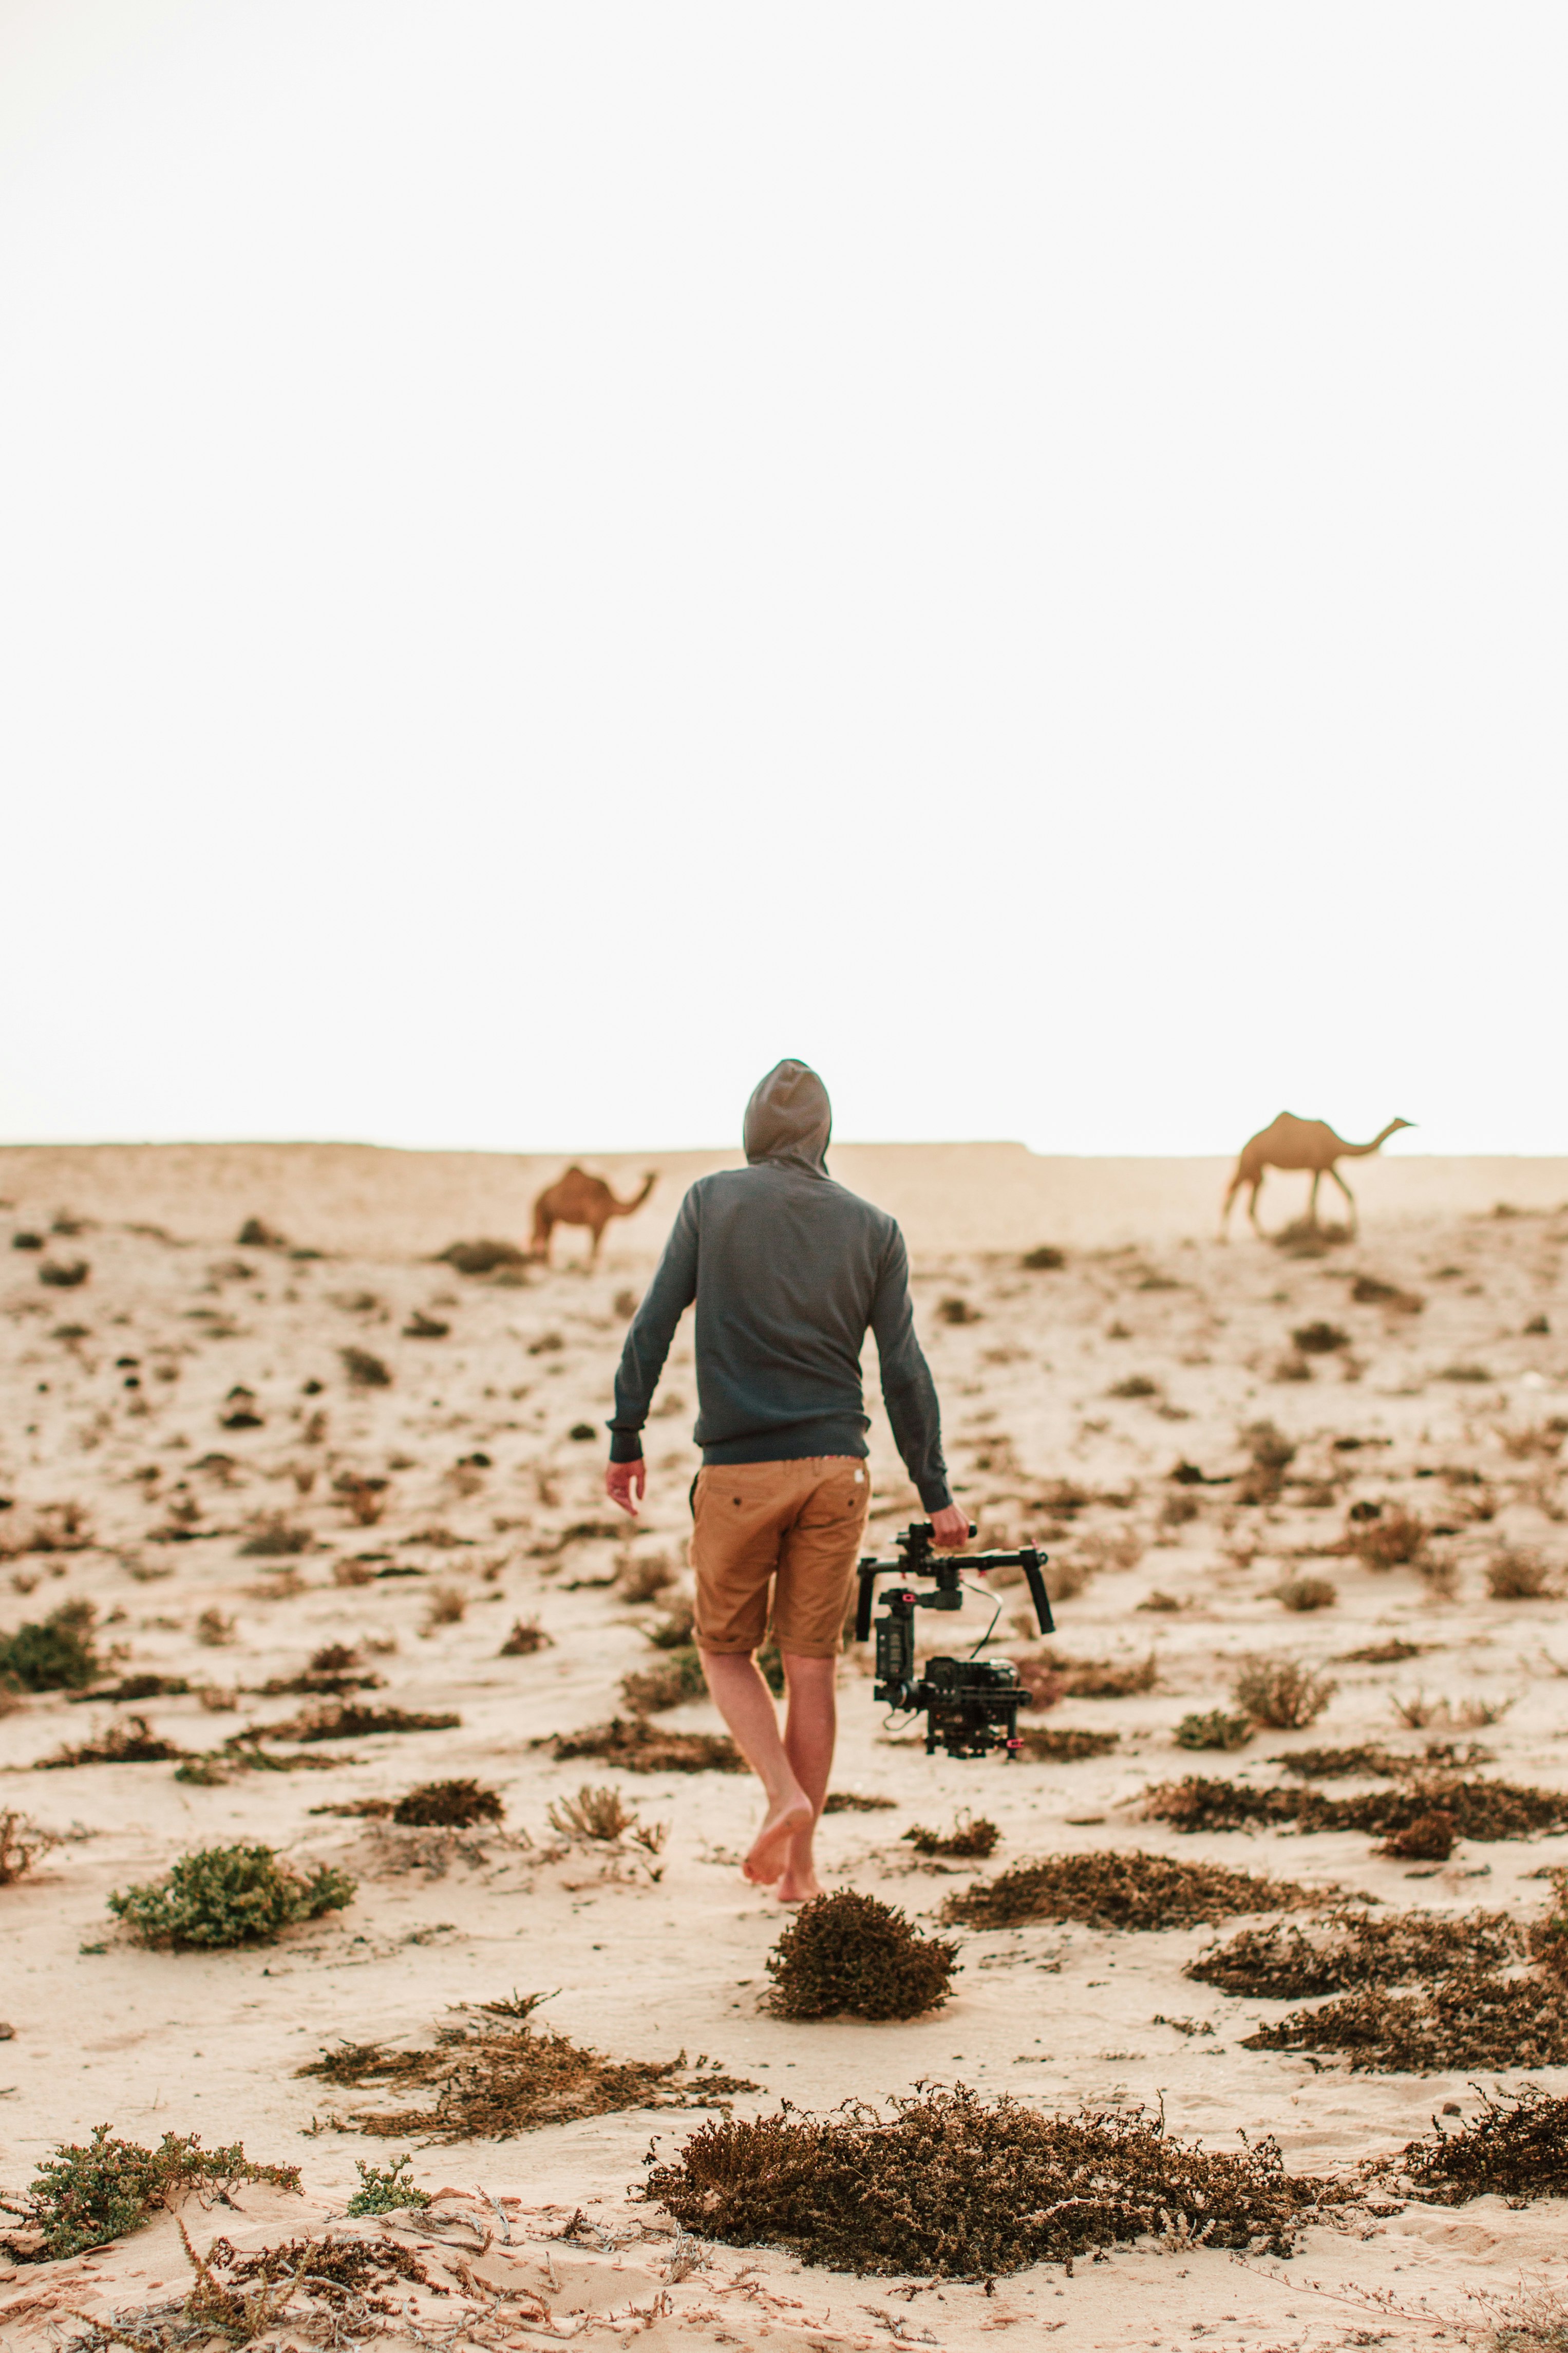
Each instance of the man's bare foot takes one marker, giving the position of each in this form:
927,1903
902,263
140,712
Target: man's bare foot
797,1887
764,1865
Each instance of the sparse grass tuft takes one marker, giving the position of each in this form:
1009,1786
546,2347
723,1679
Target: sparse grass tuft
957,1310
1429,1839
447,1605
364,1370
354,1720
1120,1890
847,1955
448,1805
1213,1728
850,1802
953,2185
213,1631
1045,1260
1136,1384
275,1538
1393,1540
1284,1693
596,1814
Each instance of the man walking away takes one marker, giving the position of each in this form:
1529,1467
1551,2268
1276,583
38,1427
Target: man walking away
788,1271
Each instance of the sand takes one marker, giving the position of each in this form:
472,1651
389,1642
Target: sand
643,1967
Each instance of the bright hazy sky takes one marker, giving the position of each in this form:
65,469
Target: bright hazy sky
552,553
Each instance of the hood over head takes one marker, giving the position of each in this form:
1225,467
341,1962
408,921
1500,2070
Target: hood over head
789,1118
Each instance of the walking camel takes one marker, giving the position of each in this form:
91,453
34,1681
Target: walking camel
578,1200
1292,1142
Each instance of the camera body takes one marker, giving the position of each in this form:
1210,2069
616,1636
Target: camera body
971,1705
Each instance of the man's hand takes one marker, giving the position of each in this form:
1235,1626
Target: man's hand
626,1483
950,1528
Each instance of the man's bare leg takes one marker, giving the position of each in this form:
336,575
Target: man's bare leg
746,1704
811,1728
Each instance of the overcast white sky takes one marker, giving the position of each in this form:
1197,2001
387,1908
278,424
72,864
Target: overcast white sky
551,554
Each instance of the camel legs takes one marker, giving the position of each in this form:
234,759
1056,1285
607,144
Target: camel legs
1349,1197
1231,1191
542,1230
598,1233
1252,1206
1312,1199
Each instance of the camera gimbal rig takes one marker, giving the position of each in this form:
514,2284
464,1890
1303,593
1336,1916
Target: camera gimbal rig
971,1705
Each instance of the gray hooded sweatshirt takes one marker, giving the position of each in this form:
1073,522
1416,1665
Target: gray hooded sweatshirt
789,1272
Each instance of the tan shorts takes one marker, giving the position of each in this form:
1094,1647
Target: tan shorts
798,1525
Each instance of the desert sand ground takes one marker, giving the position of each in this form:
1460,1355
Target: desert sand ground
120,1450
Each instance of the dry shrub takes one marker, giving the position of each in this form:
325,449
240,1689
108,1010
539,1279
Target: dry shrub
971,1836
275,1538
22,1844
134,1687
1041,1680
364,1370
676,1678
1383,1654
1429,1839
1516,1574
1392,1540
1283,1693
644,1747
1320,1339
421,1326
1136,1384
1488,1810
1305,1593
353,1572
1102,1679
64,1275
481,1257
1468,2019
847,1955
1367,1290
213,1631
1120,1890
957,1310
1065,1745
132,1742
364,1499
1044,1260
1516,2147
56,1655
1469,1715
952,2185
1473,1373
1213,1728
493,2076
527,1636
1537,1438
351,1720
1120,1547
1371,1758
850,1802
448,1805
674,1630
1176,1511
1291,1368
1281,1962
445,1605
644,1577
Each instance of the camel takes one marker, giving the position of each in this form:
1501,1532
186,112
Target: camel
578,1200
1292,1143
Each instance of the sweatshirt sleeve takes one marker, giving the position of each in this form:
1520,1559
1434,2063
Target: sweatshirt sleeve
908,1390
666,1301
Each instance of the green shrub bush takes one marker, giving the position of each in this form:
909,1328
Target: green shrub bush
225,1896
89,2193
55,1656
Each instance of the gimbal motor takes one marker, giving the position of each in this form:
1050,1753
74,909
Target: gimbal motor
971,1705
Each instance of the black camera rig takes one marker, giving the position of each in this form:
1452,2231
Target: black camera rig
971,1705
